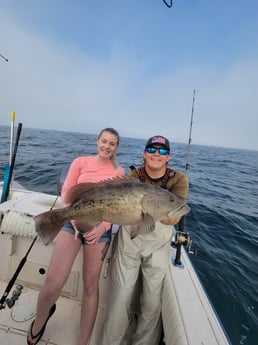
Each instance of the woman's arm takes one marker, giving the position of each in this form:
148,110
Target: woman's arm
72,177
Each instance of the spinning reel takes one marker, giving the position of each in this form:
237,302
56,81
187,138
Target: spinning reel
11,301
182,239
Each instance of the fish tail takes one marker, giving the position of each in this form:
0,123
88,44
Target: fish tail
47,225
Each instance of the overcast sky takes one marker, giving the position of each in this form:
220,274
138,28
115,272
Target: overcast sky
83,65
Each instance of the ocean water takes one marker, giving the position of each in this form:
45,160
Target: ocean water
223,222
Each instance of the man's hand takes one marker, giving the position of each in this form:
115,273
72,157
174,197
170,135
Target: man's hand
172,221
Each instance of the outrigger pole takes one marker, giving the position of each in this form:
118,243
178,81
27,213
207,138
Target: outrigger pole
181,237
11,138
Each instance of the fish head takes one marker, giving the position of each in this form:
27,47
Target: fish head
175,207
181,211
164,205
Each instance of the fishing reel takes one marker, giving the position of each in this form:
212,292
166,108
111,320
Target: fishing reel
15,295
182,239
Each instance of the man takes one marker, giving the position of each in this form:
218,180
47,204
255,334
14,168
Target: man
147,254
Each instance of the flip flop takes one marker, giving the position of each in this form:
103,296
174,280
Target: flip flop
39,335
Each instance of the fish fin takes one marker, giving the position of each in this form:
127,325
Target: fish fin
77,191
47,225
85,225
134,231
145,227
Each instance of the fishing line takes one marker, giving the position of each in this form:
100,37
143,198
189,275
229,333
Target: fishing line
4,58
169,5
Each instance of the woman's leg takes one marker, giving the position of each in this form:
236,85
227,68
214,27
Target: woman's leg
92,263
64,253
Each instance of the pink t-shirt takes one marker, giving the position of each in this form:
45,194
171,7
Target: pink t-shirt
88,169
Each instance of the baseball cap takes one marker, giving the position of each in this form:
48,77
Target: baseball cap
158,139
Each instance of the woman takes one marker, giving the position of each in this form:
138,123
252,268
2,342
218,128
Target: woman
83,169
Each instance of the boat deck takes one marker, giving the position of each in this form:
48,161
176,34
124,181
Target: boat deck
188,318
15,322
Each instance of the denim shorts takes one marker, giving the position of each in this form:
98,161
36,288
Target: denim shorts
105,238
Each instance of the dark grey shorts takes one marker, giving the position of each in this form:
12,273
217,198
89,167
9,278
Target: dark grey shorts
105,238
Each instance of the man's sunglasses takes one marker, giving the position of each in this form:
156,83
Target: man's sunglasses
161,150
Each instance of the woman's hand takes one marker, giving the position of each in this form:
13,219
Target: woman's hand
93,236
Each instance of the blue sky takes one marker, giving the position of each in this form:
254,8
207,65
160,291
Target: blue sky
133,65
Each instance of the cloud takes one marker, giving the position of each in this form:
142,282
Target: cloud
56,86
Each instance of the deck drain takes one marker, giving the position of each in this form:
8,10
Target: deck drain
25,308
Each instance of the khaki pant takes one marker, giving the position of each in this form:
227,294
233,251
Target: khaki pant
146,254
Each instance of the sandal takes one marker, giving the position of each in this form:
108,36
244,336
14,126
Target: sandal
39,335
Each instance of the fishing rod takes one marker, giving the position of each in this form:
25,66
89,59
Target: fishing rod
11,138
14,277
9,169
11,301
181,237
187,165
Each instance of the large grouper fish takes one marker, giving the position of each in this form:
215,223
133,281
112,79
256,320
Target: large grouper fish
122,201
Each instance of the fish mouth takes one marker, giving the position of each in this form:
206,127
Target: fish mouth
180,211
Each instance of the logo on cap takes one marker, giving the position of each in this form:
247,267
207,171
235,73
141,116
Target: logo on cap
158,140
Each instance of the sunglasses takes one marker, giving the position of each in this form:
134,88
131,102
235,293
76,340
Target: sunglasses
161,150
